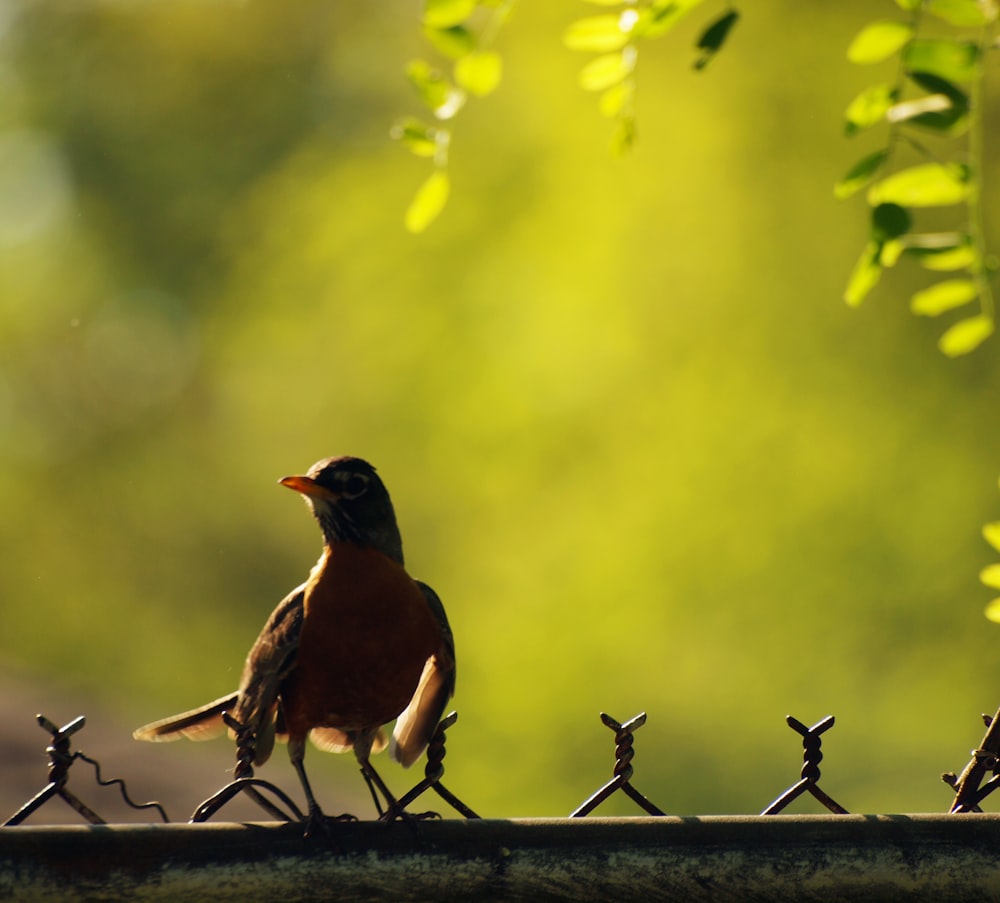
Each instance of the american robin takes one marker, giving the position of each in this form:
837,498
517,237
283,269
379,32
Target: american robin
356,645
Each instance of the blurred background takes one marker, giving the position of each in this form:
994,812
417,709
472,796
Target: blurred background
635,439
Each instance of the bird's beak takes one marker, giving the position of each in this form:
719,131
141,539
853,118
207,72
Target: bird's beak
308,487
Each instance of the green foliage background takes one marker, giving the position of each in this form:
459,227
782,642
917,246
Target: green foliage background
645,453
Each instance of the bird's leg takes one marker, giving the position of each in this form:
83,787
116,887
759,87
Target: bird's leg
315,819
393,809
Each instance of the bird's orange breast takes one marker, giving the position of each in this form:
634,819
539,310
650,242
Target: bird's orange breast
366,634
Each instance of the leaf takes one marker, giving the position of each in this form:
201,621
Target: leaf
713,37
616,99
606,71
963,13
428,202
434,89
910,109
878,41
599,34
479,73
453,42
960,258
990,575
924,185
966,335
866,274
860,174
993,611
991,533
623,136
662,15
416,136
945,296
951,119
445,13
889,221
934,84
950,59
869,107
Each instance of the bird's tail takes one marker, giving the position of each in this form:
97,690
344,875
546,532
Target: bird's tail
202,723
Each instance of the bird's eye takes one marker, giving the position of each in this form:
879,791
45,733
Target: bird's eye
355,485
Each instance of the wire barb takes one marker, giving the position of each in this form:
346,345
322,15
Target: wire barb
812,756
969,788
60,760
434,771
624,753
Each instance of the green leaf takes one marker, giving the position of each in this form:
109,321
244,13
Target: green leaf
615,99
860,174
959,258
605,71
934,84
479,73
866,274
990,575
911,109
453,42
869,107
945,296
445,13
909,5
991,533
662,15
935,112
924,185
889,221
428,202
939,251
993,611
878,41
434,89
713,37
623,136
416,136
966,335
963,13
598,34
892,250
950,59
952,120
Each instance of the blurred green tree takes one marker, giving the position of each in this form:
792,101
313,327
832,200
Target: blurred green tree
645,458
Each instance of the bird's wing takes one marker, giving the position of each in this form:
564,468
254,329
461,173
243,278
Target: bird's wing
255,703
269,662
418,721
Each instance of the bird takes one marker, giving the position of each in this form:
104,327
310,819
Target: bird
358,644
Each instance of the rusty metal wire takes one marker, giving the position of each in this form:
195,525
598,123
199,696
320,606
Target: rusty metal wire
978,780
60,760
246,783
812,756
434,771
622,771
969,788
254,788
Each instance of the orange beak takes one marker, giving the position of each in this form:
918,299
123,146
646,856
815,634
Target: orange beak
307,486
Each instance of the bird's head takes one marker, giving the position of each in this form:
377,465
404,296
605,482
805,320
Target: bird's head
351,504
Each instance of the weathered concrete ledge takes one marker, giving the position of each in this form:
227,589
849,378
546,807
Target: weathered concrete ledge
855,857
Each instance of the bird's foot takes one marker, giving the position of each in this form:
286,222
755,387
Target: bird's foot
318,825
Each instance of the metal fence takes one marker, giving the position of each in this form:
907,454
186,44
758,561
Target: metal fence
770,856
